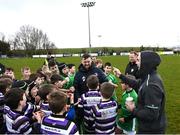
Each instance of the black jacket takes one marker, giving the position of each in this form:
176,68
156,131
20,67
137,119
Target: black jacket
132,69
150,110
81,77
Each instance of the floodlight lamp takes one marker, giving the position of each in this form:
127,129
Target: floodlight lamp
84,4
88,4
91,4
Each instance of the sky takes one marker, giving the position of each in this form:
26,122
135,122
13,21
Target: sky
114,23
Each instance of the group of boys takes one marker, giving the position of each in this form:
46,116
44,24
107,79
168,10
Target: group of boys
26,104
52,110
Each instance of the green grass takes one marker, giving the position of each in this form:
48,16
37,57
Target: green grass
169,71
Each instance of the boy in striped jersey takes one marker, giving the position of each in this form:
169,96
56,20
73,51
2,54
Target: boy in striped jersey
104,114
5,84
44,92
30,108
56,123
88,99
16,122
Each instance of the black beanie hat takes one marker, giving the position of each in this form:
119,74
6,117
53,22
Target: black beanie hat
31,85
61,66
20,84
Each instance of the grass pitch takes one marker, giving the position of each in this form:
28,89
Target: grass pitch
169,71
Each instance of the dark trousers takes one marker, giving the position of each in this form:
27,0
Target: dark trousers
3,128
79,119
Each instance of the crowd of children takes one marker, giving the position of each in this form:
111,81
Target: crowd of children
43,102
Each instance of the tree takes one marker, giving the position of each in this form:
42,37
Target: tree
83,50
31,38
4,47
105,50
2,36
142,48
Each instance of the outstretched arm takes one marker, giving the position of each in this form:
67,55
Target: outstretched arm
135,84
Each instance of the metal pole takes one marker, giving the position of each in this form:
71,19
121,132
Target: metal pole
89,30
88,5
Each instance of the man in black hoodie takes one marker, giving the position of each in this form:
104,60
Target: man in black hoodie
150,110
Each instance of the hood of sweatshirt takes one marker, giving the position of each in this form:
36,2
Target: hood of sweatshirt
149,62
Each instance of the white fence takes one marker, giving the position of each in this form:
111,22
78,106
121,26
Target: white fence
95,54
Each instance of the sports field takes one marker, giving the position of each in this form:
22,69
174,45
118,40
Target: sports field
169,71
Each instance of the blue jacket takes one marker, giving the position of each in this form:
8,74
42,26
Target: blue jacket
81,77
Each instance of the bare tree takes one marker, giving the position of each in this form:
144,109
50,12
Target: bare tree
31,38
2,36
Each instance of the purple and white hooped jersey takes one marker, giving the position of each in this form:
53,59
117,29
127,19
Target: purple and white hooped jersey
1,104
58,124
89,99
104,115
29,109
45,108
17,123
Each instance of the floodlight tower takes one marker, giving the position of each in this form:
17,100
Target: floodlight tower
89,4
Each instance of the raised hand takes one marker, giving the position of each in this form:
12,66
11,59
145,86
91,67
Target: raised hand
116,71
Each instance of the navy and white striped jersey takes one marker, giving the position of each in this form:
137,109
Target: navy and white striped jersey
104,115
58,124
88,100
29,109
6,109
1,108
17,123
45,108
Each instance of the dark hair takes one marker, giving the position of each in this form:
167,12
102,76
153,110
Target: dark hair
57,100
41,74
86,56
4,84
92,82
132,77
13,97
55,78
33,77
51,63
44,90
107,64
9,69
70,65
107,90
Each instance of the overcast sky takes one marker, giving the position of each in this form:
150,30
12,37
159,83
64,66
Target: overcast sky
113,22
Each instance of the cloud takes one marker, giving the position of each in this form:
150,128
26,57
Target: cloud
119,22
